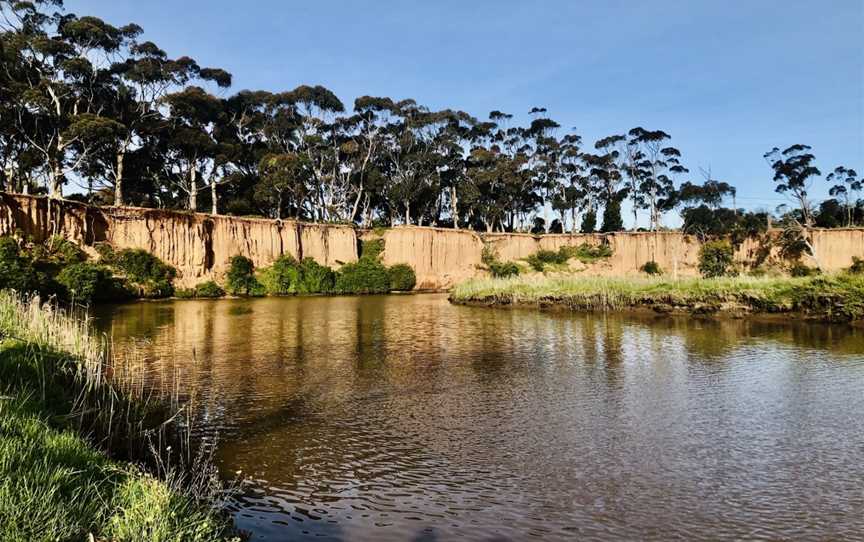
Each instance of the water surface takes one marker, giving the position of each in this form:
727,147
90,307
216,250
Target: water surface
406,418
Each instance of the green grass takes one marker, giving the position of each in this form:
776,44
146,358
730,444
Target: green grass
831,297
59,417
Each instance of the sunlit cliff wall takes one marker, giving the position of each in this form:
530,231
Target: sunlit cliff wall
199,245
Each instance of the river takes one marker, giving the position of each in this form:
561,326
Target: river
407,418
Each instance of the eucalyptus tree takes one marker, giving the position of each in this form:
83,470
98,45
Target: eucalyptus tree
62,77
845,183
372,116
572,191
408,151
189,135
793,167
318,139
654,168
146,77
282,183
606,168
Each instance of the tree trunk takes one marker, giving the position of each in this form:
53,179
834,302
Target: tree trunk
193,189
56,179
454,207
214,198
118,181
407,213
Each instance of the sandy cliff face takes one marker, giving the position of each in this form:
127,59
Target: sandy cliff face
199,245
440,257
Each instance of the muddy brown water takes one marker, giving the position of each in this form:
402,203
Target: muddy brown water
407,418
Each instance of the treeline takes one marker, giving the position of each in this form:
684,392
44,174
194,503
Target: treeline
88,103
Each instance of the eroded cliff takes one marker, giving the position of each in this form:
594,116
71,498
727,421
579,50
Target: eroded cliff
200,245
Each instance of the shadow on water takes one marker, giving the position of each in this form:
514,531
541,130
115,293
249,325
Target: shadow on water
406,418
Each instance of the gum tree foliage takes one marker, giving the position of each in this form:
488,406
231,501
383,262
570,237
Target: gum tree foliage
846,186
793,169
86,103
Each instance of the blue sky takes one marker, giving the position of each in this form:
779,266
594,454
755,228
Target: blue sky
728,80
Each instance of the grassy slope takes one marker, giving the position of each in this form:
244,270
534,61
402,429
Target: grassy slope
54,483
832,297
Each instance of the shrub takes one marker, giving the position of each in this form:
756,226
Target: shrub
209,289
652,268
281,278
86,282
715,259
146,273
58,250
106,252
583,252
16,271
539,259
315,278
798,269
372,248
497,268
504,269
857,267
365,276
402,277
240,279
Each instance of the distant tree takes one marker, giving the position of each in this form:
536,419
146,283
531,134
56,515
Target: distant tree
793,167
653,171
845,182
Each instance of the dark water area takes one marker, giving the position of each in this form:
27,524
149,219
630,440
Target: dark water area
407,418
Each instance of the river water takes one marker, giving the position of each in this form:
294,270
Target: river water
407,418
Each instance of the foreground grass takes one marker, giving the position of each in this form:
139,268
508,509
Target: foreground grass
837,297
59,415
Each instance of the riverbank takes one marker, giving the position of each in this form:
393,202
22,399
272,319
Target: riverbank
200,246
838,297
69,434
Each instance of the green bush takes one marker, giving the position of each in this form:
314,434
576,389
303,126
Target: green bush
402,277
497,268
145,273
503,270
288,276
652,268
87,282
207,289
372,248
798,269
281,278
365,276
715,259
583,252
539,259
16,271
857,267
57,250
586,252
315,278
240,279
106,252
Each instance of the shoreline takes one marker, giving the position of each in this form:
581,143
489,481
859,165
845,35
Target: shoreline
835,298
86,449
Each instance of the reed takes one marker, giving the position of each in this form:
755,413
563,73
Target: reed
85,449
838,297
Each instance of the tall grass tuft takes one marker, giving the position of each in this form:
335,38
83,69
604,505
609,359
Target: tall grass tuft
837,297
66,406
